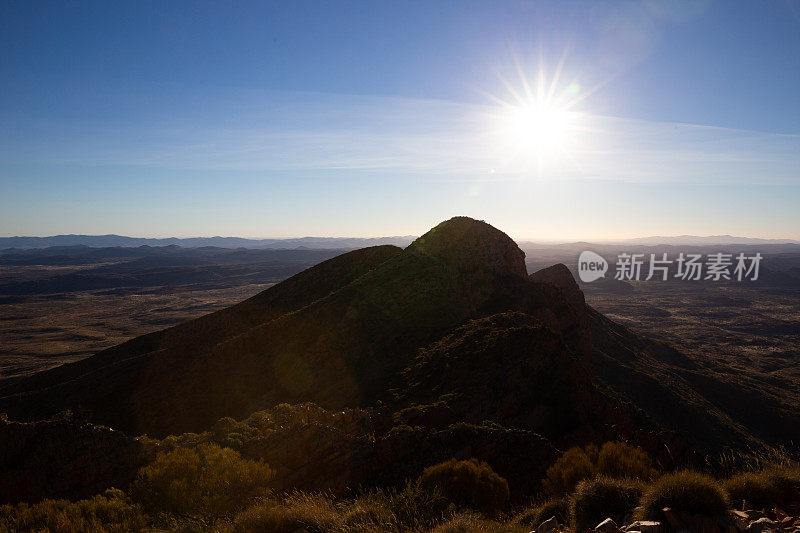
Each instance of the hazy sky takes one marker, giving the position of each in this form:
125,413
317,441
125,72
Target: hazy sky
281,119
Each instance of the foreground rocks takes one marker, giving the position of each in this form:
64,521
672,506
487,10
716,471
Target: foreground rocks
749,521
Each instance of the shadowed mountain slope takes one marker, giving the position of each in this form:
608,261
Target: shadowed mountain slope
680,393
102,383
335,343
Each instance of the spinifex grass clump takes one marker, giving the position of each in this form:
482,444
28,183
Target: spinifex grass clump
597,499
775,485
690,492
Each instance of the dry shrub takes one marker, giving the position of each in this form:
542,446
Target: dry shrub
623,461
110,511
368,513
299,512
597,499
614,459
414,508
575,465
686,491
471,484
206,482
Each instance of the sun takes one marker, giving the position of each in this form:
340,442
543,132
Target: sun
538,127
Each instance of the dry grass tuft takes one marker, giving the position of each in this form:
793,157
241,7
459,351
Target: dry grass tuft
687,491
601,498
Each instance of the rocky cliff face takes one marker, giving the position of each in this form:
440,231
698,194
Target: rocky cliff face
560,276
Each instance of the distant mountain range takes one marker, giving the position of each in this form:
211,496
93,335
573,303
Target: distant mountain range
330,243
102,241
711,239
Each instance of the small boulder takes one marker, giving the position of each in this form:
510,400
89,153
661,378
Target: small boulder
646,527
741,519
607,526
762,524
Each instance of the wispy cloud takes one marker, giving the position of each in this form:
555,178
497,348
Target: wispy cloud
447,140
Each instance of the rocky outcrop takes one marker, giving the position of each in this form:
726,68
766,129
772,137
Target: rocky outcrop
509,368
750,521
560,276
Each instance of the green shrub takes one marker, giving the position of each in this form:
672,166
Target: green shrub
771,486
597,499
534,516
472,484
575,465
205,482
691,492
111,511
623,461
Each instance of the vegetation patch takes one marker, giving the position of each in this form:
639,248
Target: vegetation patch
471,484
772,486
206,482
686,491
110,511
616,460
597,499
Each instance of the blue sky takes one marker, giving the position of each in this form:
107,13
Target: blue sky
383,118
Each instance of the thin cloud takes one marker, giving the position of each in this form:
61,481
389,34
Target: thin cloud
295,132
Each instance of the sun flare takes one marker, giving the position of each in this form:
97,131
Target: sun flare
539,127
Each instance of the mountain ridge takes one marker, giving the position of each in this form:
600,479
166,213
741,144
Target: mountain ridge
354,331
21,243
113,240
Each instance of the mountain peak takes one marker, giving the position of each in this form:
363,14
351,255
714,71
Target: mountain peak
472,243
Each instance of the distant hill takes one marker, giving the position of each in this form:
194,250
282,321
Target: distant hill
711,239
338,243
